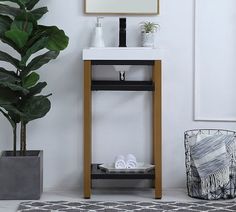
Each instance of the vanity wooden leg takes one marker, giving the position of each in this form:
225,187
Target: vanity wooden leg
87,128
157,129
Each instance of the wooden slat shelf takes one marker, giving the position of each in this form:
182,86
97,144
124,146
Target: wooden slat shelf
122,85
97,173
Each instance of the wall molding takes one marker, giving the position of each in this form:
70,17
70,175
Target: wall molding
214,99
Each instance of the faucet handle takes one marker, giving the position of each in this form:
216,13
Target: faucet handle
123,23
122,33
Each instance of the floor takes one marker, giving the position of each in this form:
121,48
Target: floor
108,195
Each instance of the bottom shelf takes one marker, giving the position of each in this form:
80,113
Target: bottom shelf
97,173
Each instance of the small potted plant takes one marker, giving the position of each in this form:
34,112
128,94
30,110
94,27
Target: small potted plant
21,101
148,30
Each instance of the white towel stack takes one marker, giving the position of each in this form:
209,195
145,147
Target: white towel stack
131,161
128,162
120,162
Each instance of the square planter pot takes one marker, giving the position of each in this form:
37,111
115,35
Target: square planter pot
21,177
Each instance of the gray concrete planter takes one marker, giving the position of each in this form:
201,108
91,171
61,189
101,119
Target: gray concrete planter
21,177
148,39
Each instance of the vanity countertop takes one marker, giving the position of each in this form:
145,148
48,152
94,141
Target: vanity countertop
122,53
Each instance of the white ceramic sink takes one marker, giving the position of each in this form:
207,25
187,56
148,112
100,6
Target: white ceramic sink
122,48
121,53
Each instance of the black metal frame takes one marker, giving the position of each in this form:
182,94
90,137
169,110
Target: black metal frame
96,85
122,85
98,173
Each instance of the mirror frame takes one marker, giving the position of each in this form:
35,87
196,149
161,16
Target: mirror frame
122,13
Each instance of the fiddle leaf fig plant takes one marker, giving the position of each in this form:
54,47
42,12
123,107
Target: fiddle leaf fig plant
21,100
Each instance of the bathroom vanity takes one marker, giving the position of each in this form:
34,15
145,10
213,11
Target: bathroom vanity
122,56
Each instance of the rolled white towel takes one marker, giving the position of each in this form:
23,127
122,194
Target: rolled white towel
131,161
120,162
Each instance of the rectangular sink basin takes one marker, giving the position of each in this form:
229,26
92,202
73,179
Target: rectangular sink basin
122,48
121,53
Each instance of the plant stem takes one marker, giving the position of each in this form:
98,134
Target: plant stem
14,140
23,138
24,148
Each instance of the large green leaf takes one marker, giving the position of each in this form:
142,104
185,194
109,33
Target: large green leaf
20,32
35,107
36,35
12,73
30,5
8,80
14,87
41,60
8,58
39,12
19,2
13,114
7,96
5,23
18,37
30,80
12,109
14,1
38,45
37,88
24,25
23,1
9,76
9,42
57,39
26,17
7,10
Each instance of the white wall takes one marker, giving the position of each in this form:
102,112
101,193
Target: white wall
214,76
122,120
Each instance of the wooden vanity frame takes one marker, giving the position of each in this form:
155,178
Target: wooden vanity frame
157,124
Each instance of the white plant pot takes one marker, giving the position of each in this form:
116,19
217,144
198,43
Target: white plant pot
148,39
